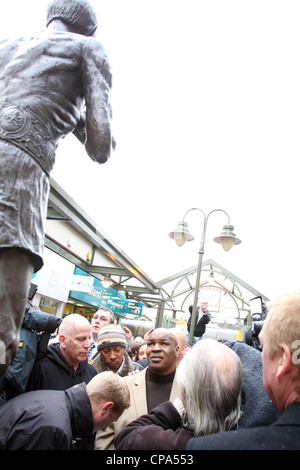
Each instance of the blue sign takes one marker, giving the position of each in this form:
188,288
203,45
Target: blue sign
110,298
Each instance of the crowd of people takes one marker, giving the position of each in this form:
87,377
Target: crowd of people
94,388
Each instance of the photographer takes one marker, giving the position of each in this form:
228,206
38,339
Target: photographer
34,335
258,314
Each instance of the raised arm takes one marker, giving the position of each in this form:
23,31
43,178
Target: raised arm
99,142
161,429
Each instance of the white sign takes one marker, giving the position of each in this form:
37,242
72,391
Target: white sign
53,280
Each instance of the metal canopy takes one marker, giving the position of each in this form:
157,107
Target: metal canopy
67,221
72,234
228,295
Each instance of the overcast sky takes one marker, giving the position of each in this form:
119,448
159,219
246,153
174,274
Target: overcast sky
206,113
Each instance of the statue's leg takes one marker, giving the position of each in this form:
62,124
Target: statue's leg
16,271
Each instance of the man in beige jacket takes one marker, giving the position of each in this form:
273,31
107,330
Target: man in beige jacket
148,388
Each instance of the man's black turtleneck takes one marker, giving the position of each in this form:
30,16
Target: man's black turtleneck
158,388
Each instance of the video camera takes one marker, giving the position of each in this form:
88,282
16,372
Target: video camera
258,313
32,291
41,323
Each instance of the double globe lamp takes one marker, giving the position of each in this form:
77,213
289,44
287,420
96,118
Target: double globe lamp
227,239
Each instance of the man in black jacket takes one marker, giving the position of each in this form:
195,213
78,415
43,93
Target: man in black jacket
202,318
49,420
280,339
65,363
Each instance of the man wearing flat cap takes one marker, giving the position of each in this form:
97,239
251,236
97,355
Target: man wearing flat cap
112,356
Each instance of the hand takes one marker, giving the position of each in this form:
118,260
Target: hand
128,334
134,372
146,336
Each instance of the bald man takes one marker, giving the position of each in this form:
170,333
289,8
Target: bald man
182,342
65,362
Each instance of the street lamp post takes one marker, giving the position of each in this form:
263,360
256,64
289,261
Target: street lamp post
227,239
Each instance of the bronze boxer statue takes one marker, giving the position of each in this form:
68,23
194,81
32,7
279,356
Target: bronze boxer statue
51,84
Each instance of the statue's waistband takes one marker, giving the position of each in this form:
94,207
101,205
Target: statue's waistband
22,128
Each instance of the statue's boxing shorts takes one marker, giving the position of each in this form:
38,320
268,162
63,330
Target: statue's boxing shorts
24,190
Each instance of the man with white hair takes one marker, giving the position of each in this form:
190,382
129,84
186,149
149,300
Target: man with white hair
65,362
210,381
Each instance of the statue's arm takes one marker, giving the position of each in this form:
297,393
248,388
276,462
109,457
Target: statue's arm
96,86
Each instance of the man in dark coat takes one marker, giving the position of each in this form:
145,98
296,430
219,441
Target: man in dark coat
282,435
281,377
65,363
49,420
53,371
202,319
